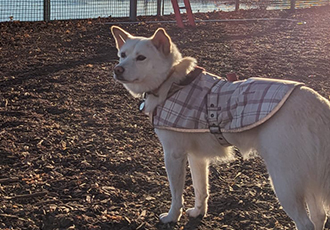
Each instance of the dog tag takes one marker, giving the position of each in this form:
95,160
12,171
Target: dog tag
141,106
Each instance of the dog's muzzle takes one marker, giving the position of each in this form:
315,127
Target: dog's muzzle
119,70
119,76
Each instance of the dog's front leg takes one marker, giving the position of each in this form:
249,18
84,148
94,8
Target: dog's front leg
175,163
200,178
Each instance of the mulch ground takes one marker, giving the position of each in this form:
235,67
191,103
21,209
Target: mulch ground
75,153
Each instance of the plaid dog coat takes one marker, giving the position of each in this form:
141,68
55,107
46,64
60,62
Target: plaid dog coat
213,104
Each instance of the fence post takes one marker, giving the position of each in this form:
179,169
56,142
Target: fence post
46,10
159,3
132,10
236,5
293,5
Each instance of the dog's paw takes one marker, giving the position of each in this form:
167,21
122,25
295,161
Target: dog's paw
196,212
167,218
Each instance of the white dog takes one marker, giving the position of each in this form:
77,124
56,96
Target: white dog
293,137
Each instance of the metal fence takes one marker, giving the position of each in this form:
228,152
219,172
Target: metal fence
38,10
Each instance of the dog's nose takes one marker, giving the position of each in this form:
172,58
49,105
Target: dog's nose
119,70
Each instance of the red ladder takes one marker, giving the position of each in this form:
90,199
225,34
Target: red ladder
177,13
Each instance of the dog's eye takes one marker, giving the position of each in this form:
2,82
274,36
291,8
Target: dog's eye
140,58
122,55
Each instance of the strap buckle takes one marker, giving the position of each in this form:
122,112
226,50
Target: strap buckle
214,129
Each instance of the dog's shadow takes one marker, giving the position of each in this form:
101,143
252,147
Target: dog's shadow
192,224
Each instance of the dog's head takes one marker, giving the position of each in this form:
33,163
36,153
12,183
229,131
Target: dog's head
144,63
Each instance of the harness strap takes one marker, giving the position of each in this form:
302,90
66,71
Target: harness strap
212,114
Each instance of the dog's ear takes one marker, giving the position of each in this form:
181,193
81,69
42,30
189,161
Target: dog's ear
162,41
120,36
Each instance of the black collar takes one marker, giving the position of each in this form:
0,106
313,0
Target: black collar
174,88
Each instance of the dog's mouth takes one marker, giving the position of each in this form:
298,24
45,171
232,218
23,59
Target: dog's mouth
124,81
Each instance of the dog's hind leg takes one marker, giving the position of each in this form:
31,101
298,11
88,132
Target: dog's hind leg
316,211
199,173
292,199
175,163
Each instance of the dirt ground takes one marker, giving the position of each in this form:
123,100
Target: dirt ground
75,153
